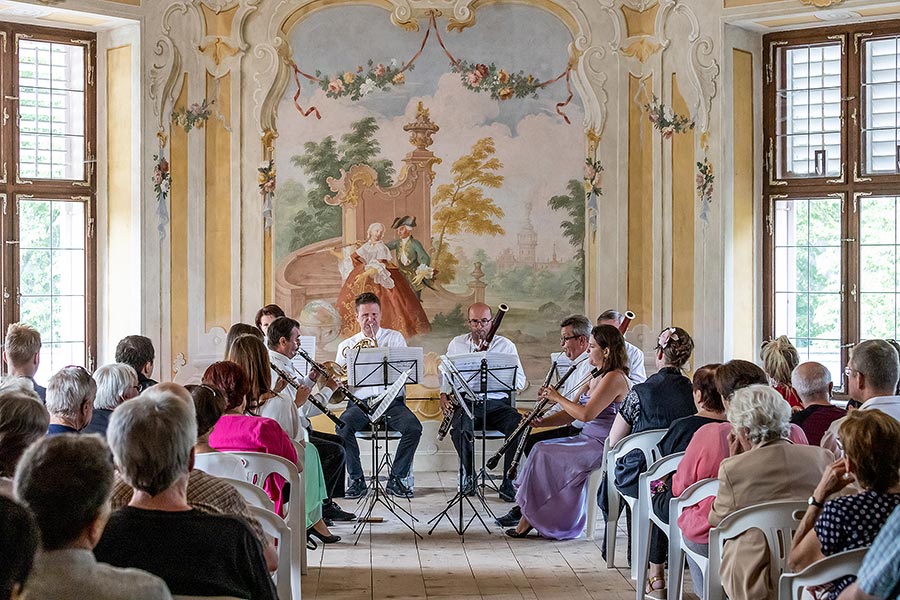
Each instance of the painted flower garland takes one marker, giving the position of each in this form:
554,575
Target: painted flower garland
162,183
361,82
665,120
593,178
501,85
266,179
194,116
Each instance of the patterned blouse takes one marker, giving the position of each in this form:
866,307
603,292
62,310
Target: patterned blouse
851,522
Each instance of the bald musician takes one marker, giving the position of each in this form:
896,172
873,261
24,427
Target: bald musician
498,413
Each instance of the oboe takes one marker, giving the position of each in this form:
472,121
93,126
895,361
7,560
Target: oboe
340,386
520,449
315,402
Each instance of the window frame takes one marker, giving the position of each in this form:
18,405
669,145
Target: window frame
13,187
850,186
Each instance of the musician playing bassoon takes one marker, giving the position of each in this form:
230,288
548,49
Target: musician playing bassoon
574,333
498,412
550,488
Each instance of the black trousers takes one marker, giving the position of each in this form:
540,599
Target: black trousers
334,461
550,434
497,414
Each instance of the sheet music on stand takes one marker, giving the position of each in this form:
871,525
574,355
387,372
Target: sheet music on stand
502,369
366,366
308,344
384,400
562,361
460,387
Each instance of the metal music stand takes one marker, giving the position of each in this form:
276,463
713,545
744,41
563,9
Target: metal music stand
465,396
380,370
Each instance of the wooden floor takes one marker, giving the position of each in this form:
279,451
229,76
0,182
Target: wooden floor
390,562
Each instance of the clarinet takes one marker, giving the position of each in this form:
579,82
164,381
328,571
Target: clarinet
315,402
341,387
448,418
520,449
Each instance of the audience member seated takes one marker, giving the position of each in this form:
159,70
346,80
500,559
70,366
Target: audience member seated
70,400
22,354
780,358
764,466
237,330
710,410
209,406
66,481
879,575
812,382
137,351
23,421
872,374
18,544
116,383
196,553
708,447
266,315
871,441
241,432
204,491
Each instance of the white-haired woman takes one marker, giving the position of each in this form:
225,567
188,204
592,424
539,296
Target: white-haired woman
116,383
70,400
764,466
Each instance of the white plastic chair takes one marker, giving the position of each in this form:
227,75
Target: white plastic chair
645,441
694,493
640,546
220,464
792,585
252,495
777,520
275,527
260,466
591,499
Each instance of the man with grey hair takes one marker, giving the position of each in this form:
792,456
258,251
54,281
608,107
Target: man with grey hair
812,382
636,371
70,400
66,481
196,553
116,383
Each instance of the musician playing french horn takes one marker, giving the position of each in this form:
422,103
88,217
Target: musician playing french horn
398,417
574,333
283,341
498,412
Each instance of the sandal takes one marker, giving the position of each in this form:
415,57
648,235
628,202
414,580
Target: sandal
659,593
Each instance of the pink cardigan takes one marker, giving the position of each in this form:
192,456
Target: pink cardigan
244,433
708,448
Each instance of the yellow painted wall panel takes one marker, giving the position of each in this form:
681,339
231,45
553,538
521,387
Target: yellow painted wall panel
683,169
742,193
119,217
640,206
218,248
178,233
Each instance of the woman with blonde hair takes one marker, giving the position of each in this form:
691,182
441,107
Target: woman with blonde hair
780,358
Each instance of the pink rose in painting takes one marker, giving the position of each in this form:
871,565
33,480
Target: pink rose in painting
474,78
597,181
589,172
380,70
164,165
699,179
157,176
709,191
654,118
667,134
335,86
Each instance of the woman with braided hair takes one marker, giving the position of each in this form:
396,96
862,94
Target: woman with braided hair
780,358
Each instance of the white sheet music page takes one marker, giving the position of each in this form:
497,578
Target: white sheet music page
563,363
365,366
384,400
501,370
308,344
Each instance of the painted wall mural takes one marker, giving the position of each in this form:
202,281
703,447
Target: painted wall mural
454,179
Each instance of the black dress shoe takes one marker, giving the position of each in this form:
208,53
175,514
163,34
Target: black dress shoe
507,491
510,519
325,539
515,534
332,512
357,489
395,487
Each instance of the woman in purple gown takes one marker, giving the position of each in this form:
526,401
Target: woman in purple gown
553,482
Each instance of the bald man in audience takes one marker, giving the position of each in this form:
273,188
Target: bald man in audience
872,374
196,553
812,382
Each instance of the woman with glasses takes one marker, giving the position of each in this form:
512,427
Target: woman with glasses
116,383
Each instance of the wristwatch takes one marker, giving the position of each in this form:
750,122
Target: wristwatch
813,502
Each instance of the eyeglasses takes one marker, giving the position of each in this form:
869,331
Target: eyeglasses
565,338
479,321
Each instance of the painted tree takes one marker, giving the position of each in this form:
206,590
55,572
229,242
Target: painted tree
321,160
573,229
463,207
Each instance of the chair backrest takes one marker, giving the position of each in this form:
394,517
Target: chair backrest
300,449
645,441
791,585
777,521
276,528
664,466
252,495
691,495
221,464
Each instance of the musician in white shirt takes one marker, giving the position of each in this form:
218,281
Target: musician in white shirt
636,371
574,333
398,417
497,412
283,341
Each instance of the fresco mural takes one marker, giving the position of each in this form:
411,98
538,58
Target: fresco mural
433,185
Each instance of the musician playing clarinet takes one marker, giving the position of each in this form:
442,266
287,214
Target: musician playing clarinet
498,412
